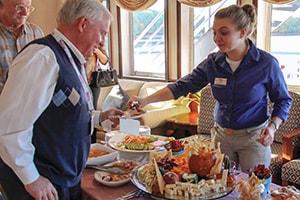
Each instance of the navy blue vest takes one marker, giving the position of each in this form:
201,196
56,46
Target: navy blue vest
61,134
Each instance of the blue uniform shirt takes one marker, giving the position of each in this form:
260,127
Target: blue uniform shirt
242,96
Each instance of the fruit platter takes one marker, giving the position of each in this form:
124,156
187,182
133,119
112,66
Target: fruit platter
188,169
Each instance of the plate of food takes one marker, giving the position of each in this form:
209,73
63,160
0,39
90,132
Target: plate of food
134,113
138,143
101,154
284,193
114,180
183,189
195,173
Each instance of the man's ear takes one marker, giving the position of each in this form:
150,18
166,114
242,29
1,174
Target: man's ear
82,23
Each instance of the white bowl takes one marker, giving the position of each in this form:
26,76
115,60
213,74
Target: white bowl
100,160
99,175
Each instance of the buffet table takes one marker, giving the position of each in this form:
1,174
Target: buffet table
92,190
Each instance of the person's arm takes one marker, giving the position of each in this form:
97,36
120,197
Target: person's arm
267,134
161,95
27,92
278,93
190,83
281,100
275,123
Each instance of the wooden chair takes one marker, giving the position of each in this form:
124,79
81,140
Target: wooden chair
285,143
291,154
206,112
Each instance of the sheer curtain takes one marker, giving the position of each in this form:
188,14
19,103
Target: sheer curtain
134,5
205,3
279,1
139,5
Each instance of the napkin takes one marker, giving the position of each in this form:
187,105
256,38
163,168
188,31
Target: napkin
129,126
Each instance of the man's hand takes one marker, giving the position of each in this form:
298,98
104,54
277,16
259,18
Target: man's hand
112,115
42,189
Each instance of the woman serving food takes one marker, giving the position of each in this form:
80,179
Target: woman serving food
243,79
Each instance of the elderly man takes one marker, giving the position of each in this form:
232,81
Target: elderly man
45,132
15,32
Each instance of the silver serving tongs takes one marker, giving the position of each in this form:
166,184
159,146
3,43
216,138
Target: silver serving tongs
132,194
110,169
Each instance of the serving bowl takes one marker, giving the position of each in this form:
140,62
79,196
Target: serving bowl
111,155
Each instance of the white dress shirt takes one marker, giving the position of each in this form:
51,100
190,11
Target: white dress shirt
27,93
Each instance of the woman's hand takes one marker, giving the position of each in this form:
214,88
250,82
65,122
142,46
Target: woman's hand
266,136
136,103
42,189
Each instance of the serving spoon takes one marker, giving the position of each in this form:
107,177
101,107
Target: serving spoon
110,169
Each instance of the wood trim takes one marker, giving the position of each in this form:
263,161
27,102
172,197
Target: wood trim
114,37
178,8
287,144
171,40
167,51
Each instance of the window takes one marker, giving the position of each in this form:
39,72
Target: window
285,39
203,36
143,47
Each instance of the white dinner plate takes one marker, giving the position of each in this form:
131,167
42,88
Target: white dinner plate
99,175
116,143
128,115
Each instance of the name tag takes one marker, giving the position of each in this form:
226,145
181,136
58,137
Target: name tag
220,81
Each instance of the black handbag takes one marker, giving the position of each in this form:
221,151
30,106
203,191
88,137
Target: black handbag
104,78
101,77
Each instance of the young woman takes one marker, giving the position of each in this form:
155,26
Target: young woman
243,78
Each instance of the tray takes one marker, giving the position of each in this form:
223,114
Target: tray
138,184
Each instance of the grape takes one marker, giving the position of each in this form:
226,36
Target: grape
166,164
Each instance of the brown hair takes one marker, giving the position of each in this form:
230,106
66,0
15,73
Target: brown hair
242,17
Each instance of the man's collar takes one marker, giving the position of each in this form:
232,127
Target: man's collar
60,36
24,29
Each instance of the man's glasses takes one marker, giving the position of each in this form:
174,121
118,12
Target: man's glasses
20,8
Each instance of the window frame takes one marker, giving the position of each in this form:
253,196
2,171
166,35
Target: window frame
126,65
264,31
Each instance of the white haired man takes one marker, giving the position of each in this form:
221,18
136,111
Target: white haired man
45,133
